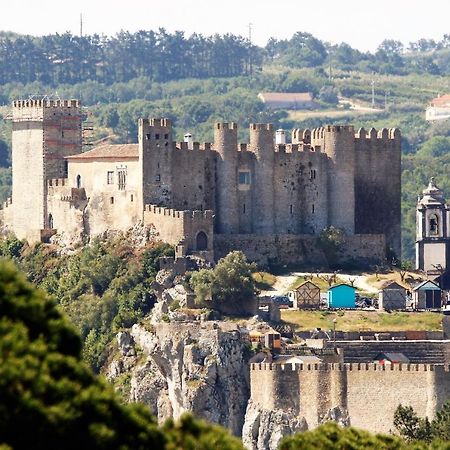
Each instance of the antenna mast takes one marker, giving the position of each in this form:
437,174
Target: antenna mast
81,24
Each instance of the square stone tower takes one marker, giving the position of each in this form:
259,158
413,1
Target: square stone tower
43,133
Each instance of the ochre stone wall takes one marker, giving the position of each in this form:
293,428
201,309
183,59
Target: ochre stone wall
370,393
300,249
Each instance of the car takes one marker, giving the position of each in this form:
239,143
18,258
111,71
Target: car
282,301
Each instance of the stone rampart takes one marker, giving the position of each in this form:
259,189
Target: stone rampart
191,229
298,250
313,390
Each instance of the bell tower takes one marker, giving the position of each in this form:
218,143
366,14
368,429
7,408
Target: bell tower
432,231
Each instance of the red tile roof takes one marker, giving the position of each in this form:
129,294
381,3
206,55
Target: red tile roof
443,100
110,151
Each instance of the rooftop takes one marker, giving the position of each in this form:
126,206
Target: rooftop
285,97
442,101
109,151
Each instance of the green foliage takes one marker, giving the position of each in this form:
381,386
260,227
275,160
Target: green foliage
330,242
331,436
45,388
414,428
191,434
104,287
434,147
51,400
230,282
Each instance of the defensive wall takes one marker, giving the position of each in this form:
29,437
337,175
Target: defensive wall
298,250
191,230
370,393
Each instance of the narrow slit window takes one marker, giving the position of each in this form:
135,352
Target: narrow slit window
111,200
291,209
312,208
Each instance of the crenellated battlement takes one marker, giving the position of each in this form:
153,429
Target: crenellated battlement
170,212
226,126
261,126
46,103
55,182
196,146
383,134
349,367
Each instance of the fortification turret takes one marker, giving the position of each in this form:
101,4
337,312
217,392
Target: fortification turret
155,159
339,144
225,144
262,145
43,133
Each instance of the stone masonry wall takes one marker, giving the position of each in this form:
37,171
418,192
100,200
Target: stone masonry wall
311,391
300,249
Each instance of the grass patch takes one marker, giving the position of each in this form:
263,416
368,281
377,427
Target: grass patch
264,280
363,320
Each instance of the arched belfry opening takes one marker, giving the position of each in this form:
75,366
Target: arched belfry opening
78,181
201,241
434,225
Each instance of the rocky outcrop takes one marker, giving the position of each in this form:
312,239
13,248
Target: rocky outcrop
195,366
264,429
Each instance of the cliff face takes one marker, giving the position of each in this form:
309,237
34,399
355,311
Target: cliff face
264,429
178,367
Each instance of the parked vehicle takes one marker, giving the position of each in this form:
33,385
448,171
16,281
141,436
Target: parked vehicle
283,301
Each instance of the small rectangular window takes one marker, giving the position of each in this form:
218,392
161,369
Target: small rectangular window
148,136
166,136
122,178
110,177
111,200
156,135
131,198
158,177
244,177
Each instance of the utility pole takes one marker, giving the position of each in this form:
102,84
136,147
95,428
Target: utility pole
386,95
81,24
250,48
373,93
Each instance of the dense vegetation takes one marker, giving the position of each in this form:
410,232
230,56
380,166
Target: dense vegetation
51,400
103,287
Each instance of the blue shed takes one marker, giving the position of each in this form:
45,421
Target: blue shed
341,296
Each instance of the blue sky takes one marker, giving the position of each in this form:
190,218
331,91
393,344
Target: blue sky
363,24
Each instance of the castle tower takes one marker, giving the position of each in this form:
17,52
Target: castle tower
227,205
155,160
262,145
432,230
43,133
340,147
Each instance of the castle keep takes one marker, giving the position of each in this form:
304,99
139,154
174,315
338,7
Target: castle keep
266,195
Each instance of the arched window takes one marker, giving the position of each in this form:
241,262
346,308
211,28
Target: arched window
434,225
202,241
78,181
50,221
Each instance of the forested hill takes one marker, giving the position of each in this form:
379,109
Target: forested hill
161,56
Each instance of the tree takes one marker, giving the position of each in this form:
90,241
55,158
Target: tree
414,428
331,436
51,400
230,285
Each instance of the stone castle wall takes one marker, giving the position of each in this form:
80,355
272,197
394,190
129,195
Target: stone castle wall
311,391
364,250
181,227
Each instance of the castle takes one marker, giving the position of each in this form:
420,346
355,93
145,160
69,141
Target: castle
268,197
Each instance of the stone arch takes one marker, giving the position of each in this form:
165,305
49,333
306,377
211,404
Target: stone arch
201,241
78,181
50,221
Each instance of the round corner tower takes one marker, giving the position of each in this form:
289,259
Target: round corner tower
227,205
262,145
339,143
